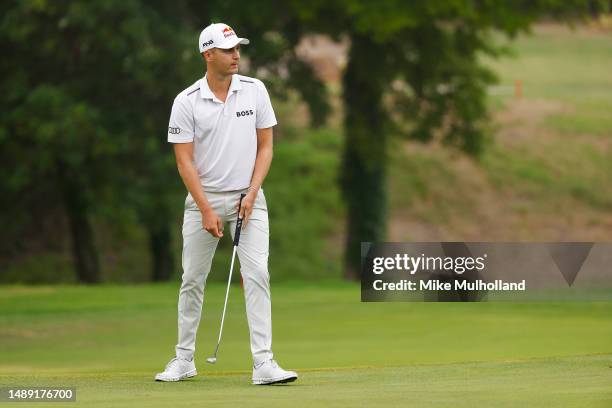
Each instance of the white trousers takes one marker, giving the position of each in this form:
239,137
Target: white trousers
198,250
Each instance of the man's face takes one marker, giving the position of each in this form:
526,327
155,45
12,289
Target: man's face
224,62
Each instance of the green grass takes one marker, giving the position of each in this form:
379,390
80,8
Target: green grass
572,67
550,152
569,67
558,63
109,341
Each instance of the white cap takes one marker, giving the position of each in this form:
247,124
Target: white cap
219,35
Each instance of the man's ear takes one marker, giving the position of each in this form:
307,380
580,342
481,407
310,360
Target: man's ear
207,55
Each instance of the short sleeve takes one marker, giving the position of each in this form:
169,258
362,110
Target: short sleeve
265,117
181,128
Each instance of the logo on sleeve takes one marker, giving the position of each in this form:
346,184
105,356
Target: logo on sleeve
174,131
244,113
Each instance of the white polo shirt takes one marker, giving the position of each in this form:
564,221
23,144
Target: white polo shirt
223,134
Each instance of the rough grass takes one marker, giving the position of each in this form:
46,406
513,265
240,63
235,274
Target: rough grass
545,176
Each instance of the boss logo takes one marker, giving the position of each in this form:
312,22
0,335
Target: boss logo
207,43
244,113
174,131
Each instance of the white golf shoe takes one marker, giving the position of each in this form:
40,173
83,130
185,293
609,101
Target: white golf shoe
269,372
177,369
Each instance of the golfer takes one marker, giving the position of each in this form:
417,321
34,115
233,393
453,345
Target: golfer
221,130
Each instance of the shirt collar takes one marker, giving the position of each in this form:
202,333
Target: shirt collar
206,93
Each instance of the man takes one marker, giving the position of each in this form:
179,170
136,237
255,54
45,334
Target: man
221,128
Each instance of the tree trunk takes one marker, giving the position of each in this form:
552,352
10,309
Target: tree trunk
161,251
84,252
363,180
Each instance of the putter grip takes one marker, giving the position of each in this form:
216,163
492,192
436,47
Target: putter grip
238,222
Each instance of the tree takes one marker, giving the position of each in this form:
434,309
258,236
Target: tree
88,87
88,90
430,49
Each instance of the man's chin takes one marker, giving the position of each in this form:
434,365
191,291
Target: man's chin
231,71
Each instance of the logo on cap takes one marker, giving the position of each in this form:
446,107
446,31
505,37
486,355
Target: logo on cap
227,31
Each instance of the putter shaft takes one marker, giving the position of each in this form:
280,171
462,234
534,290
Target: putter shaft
213,359
229,279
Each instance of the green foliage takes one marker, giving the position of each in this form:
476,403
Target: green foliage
426,55
46,268
88,89
304,207
432,48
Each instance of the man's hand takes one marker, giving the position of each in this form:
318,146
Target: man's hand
212,223
247,206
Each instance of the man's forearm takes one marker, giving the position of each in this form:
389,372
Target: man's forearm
191,179
262,166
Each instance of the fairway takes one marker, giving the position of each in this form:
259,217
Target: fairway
109,341
443,150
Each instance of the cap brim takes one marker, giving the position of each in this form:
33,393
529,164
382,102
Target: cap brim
232,42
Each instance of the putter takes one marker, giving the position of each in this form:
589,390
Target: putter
213,359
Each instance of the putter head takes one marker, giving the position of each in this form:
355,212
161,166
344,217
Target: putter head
211,360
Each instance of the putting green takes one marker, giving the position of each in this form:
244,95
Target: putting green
109,341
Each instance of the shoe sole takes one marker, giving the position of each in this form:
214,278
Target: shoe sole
270,381
174,379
